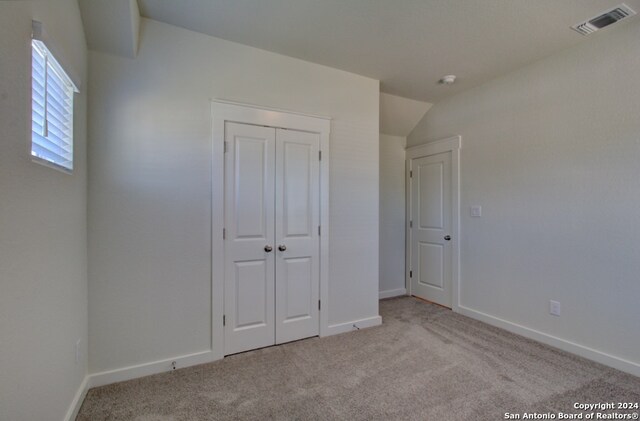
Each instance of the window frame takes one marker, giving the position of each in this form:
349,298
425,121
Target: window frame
51,63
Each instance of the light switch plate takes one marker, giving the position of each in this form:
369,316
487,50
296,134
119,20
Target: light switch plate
476,211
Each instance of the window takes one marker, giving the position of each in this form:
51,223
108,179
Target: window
51,109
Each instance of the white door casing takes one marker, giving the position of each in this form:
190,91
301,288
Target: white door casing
432,262
225,111
297,242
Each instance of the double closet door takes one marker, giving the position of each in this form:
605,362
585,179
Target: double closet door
272,217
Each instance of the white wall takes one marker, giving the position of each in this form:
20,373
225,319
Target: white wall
43,279
149,196
552,153
392,215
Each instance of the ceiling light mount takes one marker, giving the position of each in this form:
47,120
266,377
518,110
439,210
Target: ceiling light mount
447,80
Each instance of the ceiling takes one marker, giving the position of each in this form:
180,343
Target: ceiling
407,44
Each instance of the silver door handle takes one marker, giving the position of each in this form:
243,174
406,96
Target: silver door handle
282,247
268,249
447,237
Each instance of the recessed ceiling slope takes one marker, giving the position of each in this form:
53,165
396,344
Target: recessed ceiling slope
406,44
111,26
398,115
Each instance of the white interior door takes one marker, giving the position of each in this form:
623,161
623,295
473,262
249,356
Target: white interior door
297,241
272,247
431,223
249,237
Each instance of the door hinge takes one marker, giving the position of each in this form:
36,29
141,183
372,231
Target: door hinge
224,320
410,274
225,146
410,224
319,305
224,233
411,174
319,155
319,232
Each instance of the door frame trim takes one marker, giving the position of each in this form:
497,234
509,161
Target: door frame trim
221,112
450,144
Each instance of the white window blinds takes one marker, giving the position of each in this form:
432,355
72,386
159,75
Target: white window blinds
51,109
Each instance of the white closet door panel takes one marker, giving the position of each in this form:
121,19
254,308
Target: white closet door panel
298,275
251,295
249,224
251,181
297,214
297,240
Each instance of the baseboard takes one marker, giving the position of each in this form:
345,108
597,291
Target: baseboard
392,293
353,325
581,350
147,369
74,408
132,372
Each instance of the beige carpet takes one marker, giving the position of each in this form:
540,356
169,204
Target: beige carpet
423,363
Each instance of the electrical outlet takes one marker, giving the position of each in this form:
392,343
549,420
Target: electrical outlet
554,308
476,211
78,351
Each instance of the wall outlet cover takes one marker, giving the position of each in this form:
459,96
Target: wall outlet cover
476,211
78,351
554,308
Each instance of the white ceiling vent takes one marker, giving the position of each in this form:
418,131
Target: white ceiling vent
604,19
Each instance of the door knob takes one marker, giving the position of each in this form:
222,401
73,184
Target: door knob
282,247
447,237
268,249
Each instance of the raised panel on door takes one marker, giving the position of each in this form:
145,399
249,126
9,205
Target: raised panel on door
431,265
297,221
431,179
297,273
251,307
431,215
249,227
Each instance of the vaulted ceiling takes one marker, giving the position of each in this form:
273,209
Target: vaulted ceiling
407,44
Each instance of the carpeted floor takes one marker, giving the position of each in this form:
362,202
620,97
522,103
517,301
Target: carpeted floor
423,363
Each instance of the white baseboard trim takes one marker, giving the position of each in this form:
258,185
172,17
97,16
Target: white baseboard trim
147,369
74,408
350,326
581,350
133,372
393,293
